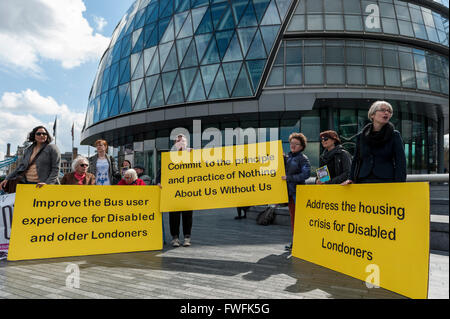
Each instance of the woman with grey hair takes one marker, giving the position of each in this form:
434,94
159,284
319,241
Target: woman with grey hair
79,174
130,177
380,155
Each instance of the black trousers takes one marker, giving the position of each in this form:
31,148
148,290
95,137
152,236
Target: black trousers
174,221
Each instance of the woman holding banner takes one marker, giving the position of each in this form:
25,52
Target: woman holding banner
79,174
40,162
130,177
298,170
380,155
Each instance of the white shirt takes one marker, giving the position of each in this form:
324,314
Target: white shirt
102,176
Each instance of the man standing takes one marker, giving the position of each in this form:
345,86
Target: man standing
140,171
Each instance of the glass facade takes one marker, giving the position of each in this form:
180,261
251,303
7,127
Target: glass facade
391,17
180,51
361,63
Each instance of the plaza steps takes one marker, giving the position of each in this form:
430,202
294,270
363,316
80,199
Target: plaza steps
439,217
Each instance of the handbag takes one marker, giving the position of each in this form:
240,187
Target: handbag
11,184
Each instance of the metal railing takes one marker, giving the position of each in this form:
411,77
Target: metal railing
432,178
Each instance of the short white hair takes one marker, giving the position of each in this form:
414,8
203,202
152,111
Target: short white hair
131,172
377,106
77,161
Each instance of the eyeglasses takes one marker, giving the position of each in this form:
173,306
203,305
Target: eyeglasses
325,138
385,110
84,165
295,144
41,133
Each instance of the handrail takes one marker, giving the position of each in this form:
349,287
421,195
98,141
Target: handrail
432,178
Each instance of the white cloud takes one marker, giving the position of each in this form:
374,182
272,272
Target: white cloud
23,111
100,23
35,30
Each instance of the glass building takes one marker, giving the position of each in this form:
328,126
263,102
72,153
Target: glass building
279,66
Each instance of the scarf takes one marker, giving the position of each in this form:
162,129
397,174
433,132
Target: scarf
80,178
328,155
377,139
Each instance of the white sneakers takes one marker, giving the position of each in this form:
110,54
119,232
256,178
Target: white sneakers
176,242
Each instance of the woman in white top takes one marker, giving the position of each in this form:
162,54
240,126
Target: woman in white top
103,166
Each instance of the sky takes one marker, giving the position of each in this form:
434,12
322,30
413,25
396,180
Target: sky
50,51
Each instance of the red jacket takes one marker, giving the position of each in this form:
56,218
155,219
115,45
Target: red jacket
136,182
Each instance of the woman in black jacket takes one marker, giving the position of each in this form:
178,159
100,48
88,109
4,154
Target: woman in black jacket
380,155
335,157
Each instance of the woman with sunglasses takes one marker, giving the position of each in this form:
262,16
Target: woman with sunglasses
335,157
40,162
380,155
79,174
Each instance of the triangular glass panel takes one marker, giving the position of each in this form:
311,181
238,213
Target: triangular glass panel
169,34
124,96
202,42
206,25
104,106
186,30
138,41
217,11
165,11
246,36
223,39
139,19
167,80
181,5
197,92
234,50
158,97
257,50
243,87
283,7
209,73
150,83
151,12
172,62
182,47
187,76
162,25
179,19
151,35
197,16
255,68
154,66
126,46
114,75
271,17
96,110
135,88
148,56
114,105
190,58
231,71
164,50
260,8
141,101
105,80
176,96
124,68
227,21
199,3
139,70
211,55
238,9
249,17
219,89
269,34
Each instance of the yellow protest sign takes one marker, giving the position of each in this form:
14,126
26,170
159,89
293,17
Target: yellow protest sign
230,176
378,233
72,220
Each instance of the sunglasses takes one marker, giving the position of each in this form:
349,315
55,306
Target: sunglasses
84,165
41,133
325,138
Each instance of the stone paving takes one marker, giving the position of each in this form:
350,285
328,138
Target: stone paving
228,259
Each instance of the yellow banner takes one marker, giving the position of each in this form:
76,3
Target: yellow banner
69,220
378,233
230,176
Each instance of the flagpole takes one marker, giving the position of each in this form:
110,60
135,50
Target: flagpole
72,142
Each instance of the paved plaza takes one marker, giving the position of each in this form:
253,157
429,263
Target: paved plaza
228,259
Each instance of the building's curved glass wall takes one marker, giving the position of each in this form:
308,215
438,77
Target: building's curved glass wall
360,63
391,17
167,52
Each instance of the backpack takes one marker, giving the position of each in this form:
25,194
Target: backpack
266,217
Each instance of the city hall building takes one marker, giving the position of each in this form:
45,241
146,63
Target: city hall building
277,66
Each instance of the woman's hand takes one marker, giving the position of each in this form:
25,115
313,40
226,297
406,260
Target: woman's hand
283,178
3,183
160,186
39,185
319,182
347,182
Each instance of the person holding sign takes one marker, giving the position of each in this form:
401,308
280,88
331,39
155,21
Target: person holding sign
298,170
103,166
380,155
40,162
334,158
79,174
